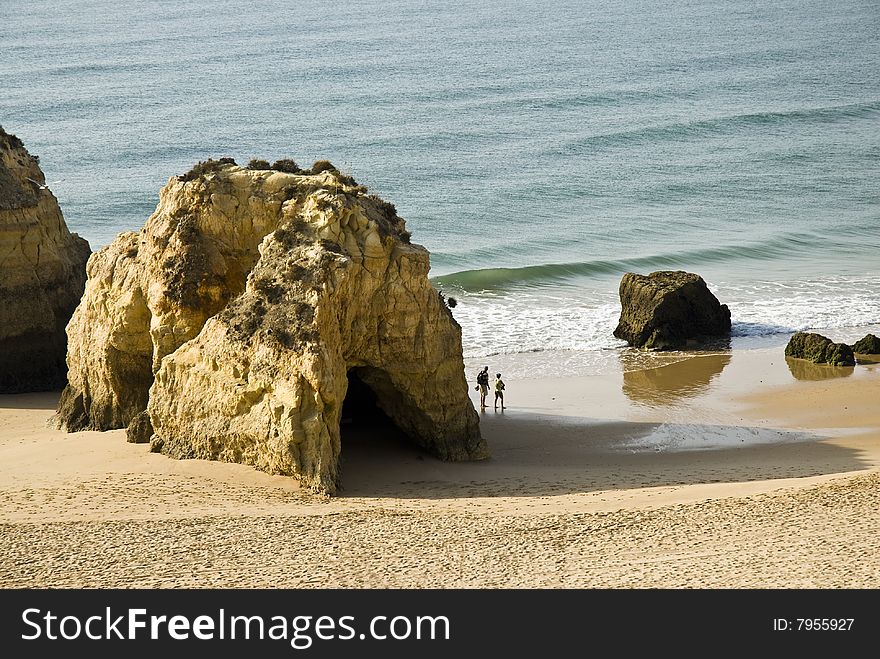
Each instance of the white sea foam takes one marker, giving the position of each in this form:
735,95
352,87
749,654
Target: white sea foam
581,321
766,307
671,437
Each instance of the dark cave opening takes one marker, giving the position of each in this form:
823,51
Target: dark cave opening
360,409
369,437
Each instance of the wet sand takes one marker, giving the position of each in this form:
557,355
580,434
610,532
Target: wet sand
723,470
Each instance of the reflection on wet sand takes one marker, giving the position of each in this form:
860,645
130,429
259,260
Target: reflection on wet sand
802,369
661,385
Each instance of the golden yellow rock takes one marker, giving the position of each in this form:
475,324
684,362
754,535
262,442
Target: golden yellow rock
237,326
42,274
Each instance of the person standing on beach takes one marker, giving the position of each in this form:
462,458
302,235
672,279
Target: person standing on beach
483,385
499,391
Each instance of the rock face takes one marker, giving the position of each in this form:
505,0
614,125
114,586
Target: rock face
237,316
816,348
42,274
667,310
870,345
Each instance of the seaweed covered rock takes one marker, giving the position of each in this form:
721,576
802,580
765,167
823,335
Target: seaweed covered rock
819,349
870,345
238,315
42,274
668,310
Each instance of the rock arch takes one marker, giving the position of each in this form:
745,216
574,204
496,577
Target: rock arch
264,289
361,404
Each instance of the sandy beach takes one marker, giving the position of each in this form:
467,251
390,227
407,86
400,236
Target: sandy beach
239,233
727,470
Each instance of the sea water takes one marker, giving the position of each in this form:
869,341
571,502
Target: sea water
539,150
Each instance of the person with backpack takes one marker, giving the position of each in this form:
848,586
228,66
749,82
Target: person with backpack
499,391
483,386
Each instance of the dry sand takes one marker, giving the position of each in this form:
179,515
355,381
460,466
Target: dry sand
725,470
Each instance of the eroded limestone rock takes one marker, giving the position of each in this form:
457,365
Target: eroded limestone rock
235,315
668,310
42,274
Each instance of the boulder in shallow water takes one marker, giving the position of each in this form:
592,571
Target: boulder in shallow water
42,274
819,349
870,345
669,310
240,313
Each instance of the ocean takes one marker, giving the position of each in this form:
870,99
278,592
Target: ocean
539,150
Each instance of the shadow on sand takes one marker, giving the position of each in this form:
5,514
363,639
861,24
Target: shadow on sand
42,400
544,456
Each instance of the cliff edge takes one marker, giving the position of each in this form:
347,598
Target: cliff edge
42,274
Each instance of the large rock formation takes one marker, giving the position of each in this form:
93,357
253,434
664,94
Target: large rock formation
669,310
869,345
237,315
42,274
819,349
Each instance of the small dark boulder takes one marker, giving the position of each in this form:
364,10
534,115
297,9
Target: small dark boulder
819,349
668,310
140,429
870,345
